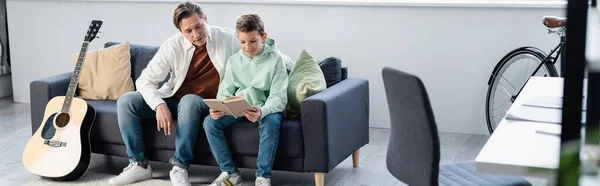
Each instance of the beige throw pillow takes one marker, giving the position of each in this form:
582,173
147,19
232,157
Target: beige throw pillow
106,73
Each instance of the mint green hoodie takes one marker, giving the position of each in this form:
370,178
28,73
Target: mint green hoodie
263,81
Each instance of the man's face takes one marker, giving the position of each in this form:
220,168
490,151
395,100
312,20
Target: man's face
193,28
251,42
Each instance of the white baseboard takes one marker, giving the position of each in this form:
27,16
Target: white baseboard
5,85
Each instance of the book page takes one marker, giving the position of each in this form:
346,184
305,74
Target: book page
217,105
237,106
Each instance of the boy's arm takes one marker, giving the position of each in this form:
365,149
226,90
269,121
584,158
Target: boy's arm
278,93
157,70
227,88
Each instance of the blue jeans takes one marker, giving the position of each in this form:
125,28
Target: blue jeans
268,131
190,111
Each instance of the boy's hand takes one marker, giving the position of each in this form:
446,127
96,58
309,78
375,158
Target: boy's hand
253,115
215,114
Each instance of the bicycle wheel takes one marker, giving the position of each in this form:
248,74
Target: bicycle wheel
509,77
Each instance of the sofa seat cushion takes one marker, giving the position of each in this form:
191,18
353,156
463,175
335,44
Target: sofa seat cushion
242,137
105,127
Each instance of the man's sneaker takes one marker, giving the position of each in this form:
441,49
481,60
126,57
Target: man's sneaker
228,180
179,177
131,174
260,181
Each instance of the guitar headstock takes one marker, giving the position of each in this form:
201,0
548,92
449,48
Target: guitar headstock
93,30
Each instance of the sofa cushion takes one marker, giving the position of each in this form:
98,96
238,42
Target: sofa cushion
106,73
105,127
242,137
332,70
140,57
305,80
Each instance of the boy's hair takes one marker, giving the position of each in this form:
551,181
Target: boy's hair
250,22
185,10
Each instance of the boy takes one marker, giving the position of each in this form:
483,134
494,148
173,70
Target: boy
258,73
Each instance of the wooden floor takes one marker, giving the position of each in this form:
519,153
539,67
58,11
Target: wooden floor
16,127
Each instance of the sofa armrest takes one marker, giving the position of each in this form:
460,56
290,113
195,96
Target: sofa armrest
41,91
335,123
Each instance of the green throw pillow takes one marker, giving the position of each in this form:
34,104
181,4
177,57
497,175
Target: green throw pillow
305,79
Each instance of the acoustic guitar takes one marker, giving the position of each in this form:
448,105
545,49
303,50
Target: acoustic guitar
60,148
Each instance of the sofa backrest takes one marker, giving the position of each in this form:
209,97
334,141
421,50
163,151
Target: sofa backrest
140,57
142,54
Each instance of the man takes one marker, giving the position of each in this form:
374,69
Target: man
195,58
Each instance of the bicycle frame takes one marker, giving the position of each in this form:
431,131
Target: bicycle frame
549,59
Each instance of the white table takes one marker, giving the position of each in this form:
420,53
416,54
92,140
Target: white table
515,148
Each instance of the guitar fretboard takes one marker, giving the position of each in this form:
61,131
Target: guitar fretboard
75,78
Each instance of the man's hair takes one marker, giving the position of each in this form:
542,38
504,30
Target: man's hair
250,22
185,10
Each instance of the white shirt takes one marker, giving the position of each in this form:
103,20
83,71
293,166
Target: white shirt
174,57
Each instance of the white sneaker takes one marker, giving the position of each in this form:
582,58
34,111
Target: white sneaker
131,174
228,180
260,181
179,177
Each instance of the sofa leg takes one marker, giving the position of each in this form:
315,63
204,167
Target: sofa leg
320,179
355,158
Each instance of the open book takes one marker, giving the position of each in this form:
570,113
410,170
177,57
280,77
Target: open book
232,106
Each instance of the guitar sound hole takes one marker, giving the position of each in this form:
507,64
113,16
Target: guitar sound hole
62,120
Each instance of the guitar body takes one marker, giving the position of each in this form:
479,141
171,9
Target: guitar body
60,148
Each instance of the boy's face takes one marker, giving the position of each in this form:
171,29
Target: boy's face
251,42
193,29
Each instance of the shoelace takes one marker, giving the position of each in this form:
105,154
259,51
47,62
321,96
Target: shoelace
221,178
265,182
129,167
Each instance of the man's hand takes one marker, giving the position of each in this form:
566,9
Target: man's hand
253,115
164,119
215,114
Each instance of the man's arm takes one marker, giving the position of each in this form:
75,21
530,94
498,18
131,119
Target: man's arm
278,93
235,43
157,70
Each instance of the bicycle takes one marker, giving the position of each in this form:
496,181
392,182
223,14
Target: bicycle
503,89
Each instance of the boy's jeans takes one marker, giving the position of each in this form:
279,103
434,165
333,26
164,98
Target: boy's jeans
190,111
268,129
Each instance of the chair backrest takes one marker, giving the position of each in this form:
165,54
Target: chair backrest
413,153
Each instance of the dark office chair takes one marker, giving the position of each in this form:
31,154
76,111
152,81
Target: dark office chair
413,154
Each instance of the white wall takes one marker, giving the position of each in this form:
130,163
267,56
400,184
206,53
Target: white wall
453,49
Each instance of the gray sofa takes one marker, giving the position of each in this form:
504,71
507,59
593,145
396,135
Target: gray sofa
333,125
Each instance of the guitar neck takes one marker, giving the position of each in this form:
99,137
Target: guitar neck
75,78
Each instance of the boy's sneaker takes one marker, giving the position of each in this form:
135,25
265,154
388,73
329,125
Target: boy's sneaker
260,181
228,180
131,174
179,177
